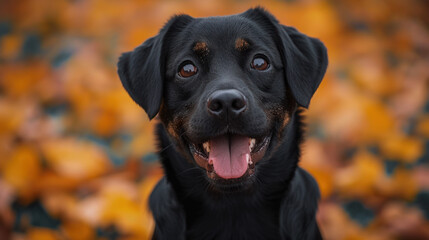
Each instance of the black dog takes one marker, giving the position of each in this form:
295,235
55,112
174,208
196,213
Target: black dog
227,90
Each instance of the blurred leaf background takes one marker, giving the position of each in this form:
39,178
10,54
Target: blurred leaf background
77,154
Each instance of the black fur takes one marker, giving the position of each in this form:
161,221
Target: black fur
279,201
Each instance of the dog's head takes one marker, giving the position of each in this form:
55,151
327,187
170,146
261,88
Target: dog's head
224,87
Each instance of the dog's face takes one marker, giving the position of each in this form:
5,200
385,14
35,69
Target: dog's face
225,92
225,87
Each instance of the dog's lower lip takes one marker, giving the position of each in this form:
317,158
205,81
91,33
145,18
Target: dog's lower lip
257,148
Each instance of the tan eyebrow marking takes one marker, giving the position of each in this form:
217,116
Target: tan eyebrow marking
241,44
201,48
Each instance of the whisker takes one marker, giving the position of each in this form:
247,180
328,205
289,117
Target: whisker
186,170
171,144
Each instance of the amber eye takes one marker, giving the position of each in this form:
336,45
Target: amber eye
188,69
259,63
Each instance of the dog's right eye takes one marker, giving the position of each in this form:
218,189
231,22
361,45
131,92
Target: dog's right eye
260,63
187,69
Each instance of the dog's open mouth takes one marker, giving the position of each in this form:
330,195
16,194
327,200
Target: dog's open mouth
229,156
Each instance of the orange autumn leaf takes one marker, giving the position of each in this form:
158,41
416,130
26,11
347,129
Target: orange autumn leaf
121,208
78,230
22,169
324,180
401,147
10,45
60,204
378,122
400,185
75,158
12,116
144,141
376,78
43,234
314,159
360,177
90,210
423,126
19,80
334,222
145,189
54,181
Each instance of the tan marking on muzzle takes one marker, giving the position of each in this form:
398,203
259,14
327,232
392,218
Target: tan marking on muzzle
286,120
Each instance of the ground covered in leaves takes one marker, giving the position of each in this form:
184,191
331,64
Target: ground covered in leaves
77,155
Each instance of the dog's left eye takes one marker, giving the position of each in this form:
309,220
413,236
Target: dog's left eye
260,63
187,69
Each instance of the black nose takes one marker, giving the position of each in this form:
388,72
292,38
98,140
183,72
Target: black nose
228,102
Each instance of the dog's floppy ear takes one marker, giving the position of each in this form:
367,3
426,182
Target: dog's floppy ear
142,70
305,58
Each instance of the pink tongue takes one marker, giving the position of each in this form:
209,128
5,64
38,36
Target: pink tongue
229,155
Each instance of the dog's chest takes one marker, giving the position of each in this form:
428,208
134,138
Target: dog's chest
234,224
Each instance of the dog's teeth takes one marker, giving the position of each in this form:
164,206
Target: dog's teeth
206,146
249,161
252,144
